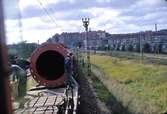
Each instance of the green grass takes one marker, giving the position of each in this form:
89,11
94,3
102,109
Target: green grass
100,89
160,59
103,94
148,81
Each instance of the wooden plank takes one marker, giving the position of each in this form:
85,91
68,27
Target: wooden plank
51,100
58,100
41,101
31,103
43,105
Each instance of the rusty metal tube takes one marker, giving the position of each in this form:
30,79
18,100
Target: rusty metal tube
47,64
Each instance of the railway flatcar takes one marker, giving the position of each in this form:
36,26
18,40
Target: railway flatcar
57,90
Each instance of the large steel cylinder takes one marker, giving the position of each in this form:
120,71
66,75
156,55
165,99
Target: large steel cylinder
47,64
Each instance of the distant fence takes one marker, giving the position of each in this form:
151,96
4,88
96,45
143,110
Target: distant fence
160,59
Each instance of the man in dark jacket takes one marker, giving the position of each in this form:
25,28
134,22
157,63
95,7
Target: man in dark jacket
19,75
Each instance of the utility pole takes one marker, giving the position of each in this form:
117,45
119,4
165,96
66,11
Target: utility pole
141,46
20,21
156,28
157,45
86,24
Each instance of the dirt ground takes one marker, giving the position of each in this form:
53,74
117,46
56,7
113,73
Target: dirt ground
89,103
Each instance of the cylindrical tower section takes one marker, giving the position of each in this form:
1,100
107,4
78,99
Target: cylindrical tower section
47,64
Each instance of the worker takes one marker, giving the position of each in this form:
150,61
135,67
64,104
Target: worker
19,75
68,70
23,63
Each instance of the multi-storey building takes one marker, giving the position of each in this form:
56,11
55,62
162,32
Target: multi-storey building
147,41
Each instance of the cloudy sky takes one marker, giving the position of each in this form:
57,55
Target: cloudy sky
43,18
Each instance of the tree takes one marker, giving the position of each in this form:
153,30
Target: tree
160,48
22,49
146,48
130,48
118,47
137,49
123,48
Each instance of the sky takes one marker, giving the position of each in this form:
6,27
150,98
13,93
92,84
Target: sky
38,20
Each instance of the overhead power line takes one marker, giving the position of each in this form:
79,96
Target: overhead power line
51,9
47,12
